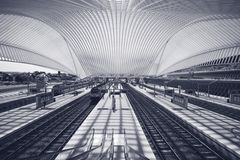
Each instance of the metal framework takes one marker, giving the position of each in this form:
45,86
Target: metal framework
89,37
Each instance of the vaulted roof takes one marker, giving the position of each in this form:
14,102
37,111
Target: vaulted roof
88,37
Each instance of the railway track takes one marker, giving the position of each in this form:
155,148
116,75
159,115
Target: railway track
43,138
217,108
168,138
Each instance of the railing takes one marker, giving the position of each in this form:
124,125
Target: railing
103,143
128,150
110,151
141,157
88,150
103,155
112,147
91,140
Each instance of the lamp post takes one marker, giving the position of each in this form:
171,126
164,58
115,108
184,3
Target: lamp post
154,89
45,80
64,85
198,88
179,89
28,84
209,86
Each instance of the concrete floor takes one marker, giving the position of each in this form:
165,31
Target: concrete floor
110,125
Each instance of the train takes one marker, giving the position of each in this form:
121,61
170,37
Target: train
68,87
98,91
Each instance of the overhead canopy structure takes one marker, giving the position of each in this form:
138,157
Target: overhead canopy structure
88,37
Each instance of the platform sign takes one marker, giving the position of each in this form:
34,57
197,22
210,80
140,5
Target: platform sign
180,100
44,99
179,89
234,96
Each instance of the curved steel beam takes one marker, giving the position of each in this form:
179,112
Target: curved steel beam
34,64
236,45
38,19
204,19
29,51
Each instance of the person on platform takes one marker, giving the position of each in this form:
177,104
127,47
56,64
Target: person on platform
113,104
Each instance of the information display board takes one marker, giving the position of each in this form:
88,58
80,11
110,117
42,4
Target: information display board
180,100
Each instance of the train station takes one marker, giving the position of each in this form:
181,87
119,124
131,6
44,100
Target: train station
119,79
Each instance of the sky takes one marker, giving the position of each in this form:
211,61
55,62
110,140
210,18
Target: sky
20,67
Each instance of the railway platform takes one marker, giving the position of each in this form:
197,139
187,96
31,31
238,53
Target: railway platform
109,132
14,95
16,118
222,101
220,131
213,99
17,94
